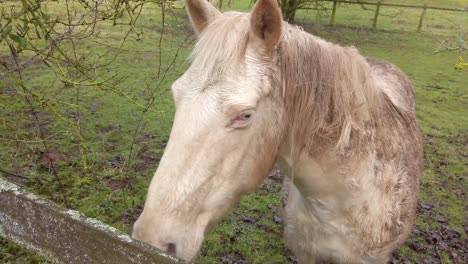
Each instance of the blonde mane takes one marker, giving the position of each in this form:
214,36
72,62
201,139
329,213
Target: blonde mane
338,98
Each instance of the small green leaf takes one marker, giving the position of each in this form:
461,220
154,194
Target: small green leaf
6,31
23,44
20,40
15,38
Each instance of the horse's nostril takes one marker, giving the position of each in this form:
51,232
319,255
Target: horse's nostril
171,248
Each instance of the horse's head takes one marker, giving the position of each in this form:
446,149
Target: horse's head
227,127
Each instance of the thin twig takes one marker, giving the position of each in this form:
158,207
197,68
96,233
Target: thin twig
442,44
13,174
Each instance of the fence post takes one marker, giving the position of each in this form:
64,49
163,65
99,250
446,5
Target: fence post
332,19
376,16
423,13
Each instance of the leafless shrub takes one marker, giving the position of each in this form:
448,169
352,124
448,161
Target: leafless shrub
33,36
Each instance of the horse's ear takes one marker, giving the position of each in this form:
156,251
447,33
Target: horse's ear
201,12
265,23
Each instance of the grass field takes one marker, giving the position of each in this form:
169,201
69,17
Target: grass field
114,186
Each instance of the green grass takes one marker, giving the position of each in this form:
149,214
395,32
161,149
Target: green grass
109,120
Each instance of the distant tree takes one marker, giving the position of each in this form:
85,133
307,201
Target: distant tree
289,7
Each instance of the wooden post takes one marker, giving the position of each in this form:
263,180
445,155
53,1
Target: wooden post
66,236
423,13
332,19
376,16
220,4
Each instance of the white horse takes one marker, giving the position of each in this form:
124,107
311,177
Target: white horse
260,90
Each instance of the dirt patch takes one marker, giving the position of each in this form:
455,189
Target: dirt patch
8,63
8,91
437,243
130,216
119,183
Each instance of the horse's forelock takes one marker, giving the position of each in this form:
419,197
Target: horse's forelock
222,45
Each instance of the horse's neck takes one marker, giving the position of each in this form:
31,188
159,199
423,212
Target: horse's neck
319,177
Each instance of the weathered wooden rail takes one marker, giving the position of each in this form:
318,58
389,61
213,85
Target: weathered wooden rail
380,4
65,236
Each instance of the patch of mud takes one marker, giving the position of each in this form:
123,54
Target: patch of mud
116,184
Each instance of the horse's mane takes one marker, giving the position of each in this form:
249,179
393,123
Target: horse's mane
328,91
338,97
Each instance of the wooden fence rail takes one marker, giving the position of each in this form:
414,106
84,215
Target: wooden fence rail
381,4
64,236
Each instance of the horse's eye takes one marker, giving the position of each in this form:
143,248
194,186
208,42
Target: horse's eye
243,120
245,116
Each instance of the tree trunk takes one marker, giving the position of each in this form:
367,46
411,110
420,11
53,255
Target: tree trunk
289,9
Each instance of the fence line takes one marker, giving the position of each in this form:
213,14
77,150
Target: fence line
65,236
380,4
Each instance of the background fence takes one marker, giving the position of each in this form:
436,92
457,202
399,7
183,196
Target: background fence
378,7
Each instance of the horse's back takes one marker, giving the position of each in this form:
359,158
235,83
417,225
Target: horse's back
399,93
399,114
394,82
